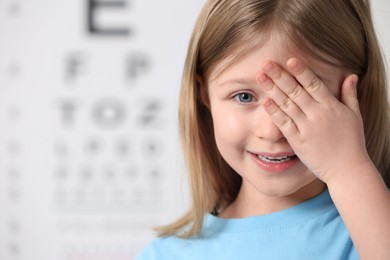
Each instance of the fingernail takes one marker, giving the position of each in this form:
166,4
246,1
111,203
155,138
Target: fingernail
292,63
268,66
262,78
354,80
264,82
267,103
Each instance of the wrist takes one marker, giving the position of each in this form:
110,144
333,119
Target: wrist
343,176
354,179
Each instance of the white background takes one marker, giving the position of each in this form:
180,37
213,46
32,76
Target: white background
89,153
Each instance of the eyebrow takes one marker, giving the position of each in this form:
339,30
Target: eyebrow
327,77
241,81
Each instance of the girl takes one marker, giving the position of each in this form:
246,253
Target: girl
285,125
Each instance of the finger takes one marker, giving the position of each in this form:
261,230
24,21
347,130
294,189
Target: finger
288,84
349,94
285,124
310,82
284,102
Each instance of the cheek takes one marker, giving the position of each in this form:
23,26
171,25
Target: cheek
229,128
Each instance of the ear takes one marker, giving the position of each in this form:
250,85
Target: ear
203,92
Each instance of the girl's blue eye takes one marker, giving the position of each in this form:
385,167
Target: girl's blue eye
244,97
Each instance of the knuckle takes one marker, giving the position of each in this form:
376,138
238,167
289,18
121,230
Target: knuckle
272,110
296,92
285,104
314,84
285,123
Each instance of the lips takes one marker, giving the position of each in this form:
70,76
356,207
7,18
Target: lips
275,162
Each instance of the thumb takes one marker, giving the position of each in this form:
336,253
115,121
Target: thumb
349,93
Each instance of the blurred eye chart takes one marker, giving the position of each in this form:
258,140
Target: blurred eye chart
90,158
89,151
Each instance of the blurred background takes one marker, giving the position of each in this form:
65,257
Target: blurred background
89,154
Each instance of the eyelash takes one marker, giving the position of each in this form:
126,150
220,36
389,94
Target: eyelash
238,95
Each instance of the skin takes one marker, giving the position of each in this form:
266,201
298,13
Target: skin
245,128
308,107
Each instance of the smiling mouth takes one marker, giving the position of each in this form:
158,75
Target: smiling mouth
278,159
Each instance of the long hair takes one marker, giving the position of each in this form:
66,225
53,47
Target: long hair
228,29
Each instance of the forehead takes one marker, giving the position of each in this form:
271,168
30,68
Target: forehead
277,48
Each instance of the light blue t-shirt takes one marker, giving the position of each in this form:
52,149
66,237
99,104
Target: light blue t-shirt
310,230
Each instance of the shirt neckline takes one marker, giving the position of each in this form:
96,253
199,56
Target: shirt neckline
283,219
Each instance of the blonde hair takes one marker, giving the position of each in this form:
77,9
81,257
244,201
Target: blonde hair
340,29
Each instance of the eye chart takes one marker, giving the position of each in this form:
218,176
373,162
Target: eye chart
89,152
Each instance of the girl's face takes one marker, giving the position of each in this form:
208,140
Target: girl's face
245,135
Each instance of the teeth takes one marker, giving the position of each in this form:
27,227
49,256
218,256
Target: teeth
276,159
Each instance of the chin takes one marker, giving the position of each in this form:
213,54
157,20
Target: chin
306,187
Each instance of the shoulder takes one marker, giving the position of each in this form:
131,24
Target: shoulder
172,247
153,250
164,248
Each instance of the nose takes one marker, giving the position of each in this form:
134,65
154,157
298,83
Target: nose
267,130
